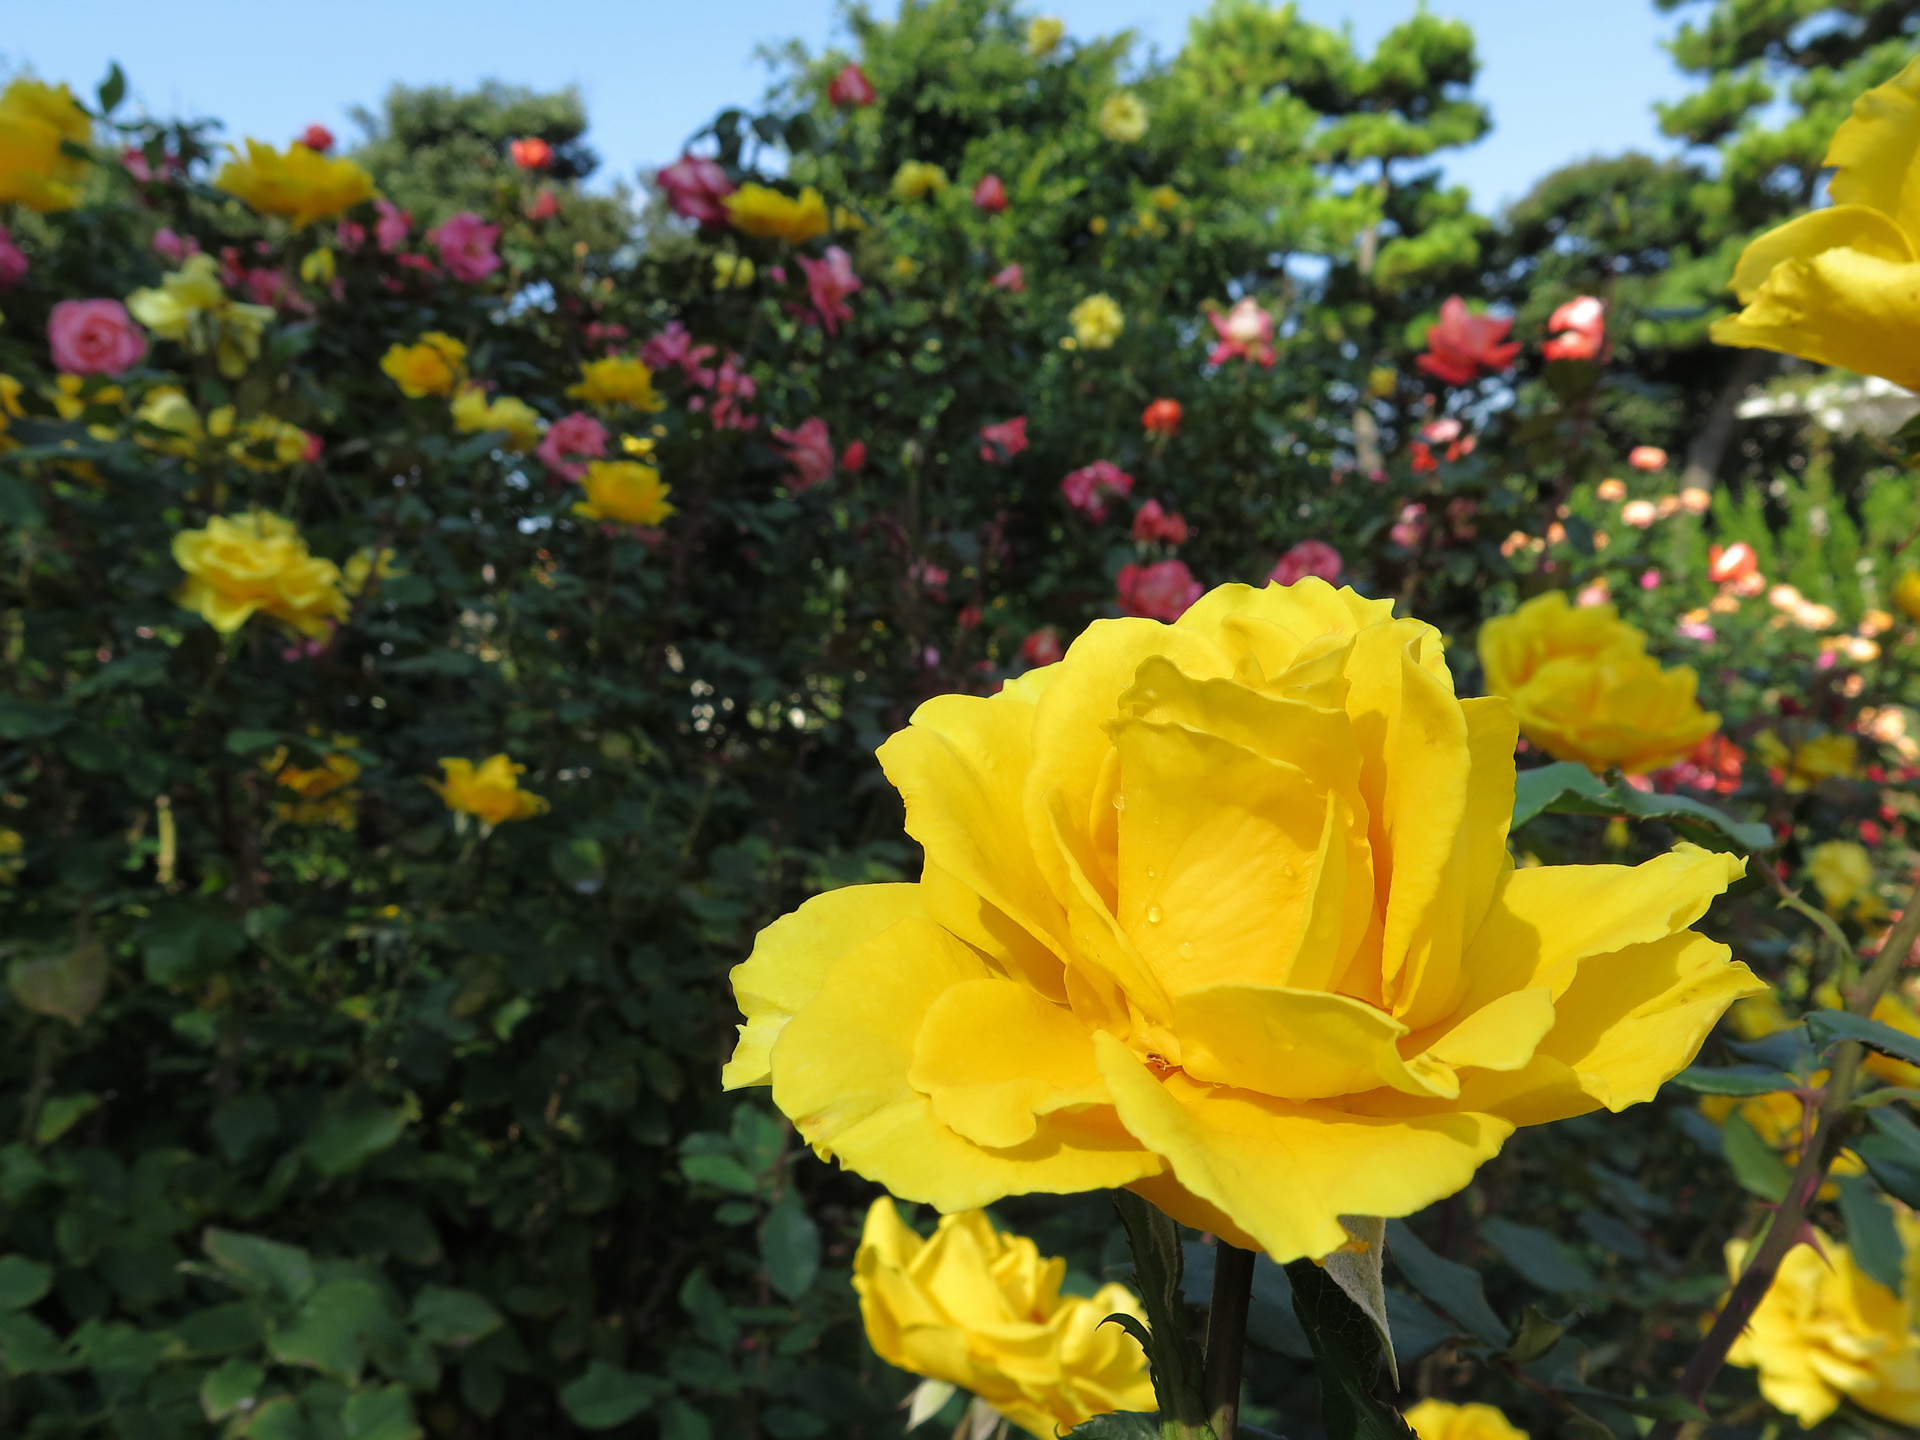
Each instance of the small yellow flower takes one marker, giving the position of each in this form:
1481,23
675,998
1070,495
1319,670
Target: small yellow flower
301,184
1584,688
1842,871
638,446
366,564
13,855
1044,33
1824,757
317,268
917,179
617,380
34,170
166,408
982,1310
625,492
519,423
1164,197
1442,1420
731,271
257,562
1097,322
1906,594
904,267
190,307
1827,1332
323,796
262,442
759,210
432,365
1123,119
490,792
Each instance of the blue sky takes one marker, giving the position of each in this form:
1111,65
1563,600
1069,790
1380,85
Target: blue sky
1564,81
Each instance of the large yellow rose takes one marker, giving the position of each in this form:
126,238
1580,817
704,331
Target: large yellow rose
1222,910
763,211
1842,285
617,380
981,1310
1827,1332
301,184
257,563
34,171
1585,689
1443,1420
625,492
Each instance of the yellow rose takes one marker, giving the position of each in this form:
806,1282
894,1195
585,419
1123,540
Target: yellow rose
758,210
1824,757
301,184
491,793
981,1310
1123,118
257,562
167,409
34,171
1906,593
1222,911
617,380
366,564
190,307
625,492
1044,33
1097,322
1842,871
318,267
332,773
1778,1119
917,179
519,423
1584,688
1826,1332
432,365
731,271
1441,1420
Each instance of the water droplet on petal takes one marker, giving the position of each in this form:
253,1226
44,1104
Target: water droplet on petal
1287,870
1153,915
1152,874
1186,949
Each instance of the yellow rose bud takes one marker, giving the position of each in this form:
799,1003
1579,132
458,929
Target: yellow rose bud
915,180
1827,1332
1585,689
617,380
759,210
317,268
257,563
982,1310
489,792
432,365
1222,911
1097,322
299,183
1441,1420
731,271
625,492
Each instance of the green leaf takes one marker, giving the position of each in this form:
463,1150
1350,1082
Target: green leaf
1572,789
1122,1425
1871,1234
26,720
1537,1335
1732,1080
189,943
1828,1028
453,1317
112,90
1347,1356
29,1348
245,742
606,1395
278,1419
61,1113
723,1172
351,1131
264,1266
1539,1257
220,1329
23,1282
1455,1288
232,1385
332,1331
790,1247
67,987
1756,1165
383,1414
1652,1407
1892,1155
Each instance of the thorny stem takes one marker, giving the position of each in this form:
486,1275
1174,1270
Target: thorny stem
1808,1175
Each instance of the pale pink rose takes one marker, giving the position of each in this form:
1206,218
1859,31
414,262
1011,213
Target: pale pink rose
1647,457
1160,591
94,337
809,449
576,434
465,243
1579,330
390,231
1411,528
1650,580
829,283
1309,557
1443,431
732,387
929,577
1090,487
695,187
990,195
1245,333
1695,630
1043,647
1151,523
173,247
349,235
1011,279
1596,592
667,348
13,261
1002,441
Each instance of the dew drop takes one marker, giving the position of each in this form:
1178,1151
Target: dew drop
1186,949
1153,915
1287,870
1152,874
1119,801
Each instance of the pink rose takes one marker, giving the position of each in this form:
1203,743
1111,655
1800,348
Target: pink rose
668,348
990,195
1647,457
695,187
1411,528
543,206
853,459
174,247
13,261
1003,441
465,242
391,229
575,434
809,449
317,137
94,337
1151,523
1244,333
349,236
850,87
1579,330
1160,591
1090,487
929,577
1043,647
1012,279
829,282
1309,557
